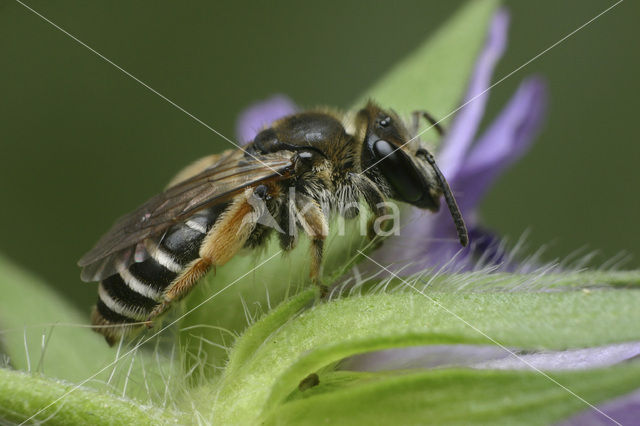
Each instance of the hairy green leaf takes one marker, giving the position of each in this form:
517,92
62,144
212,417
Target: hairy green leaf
55,340
43,332
453,396
315,340
22,395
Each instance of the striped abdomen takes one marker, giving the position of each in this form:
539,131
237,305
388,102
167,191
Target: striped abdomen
130,295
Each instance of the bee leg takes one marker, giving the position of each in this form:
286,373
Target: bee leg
376,202
376,225
288,235
315,224
179,288
317,245
417,115
222,242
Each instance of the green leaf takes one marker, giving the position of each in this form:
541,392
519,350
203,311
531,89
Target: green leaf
30,311
50,337
434,77
531,282
23,395
256,385
255,336
453,397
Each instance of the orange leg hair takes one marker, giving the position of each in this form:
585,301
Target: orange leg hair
315,224
222,242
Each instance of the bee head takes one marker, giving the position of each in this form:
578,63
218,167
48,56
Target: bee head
408,170
386,155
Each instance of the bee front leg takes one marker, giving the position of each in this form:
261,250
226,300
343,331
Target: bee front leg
376,202
417,115
317,245
377,226
315,224
221,243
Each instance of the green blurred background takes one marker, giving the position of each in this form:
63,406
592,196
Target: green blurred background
82,143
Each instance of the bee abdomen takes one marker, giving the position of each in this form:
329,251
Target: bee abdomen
131,295
116,295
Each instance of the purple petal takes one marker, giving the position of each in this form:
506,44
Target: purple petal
468,119
262,114
424,357
570,359
502,144
486,245
625,410
424,241
489,357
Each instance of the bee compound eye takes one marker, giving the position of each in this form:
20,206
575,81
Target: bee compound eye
397,169
383,149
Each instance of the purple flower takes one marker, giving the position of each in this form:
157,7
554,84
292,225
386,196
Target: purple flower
262,114
625,410
470,166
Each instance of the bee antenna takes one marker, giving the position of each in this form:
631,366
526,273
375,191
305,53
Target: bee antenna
461,228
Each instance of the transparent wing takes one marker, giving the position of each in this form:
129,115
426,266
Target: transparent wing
123,244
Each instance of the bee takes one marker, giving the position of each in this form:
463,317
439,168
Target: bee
299,172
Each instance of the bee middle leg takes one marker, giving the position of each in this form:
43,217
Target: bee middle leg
222,242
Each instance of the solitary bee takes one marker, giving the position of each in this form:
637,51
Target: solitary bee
300,171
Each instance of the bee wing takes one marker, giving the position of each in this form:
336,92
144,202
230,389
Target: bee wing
123,244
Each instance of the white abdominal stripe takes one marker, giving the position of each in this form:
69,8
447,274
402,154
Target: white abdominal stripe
131,312
163,258
196,226
138,286
136,290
